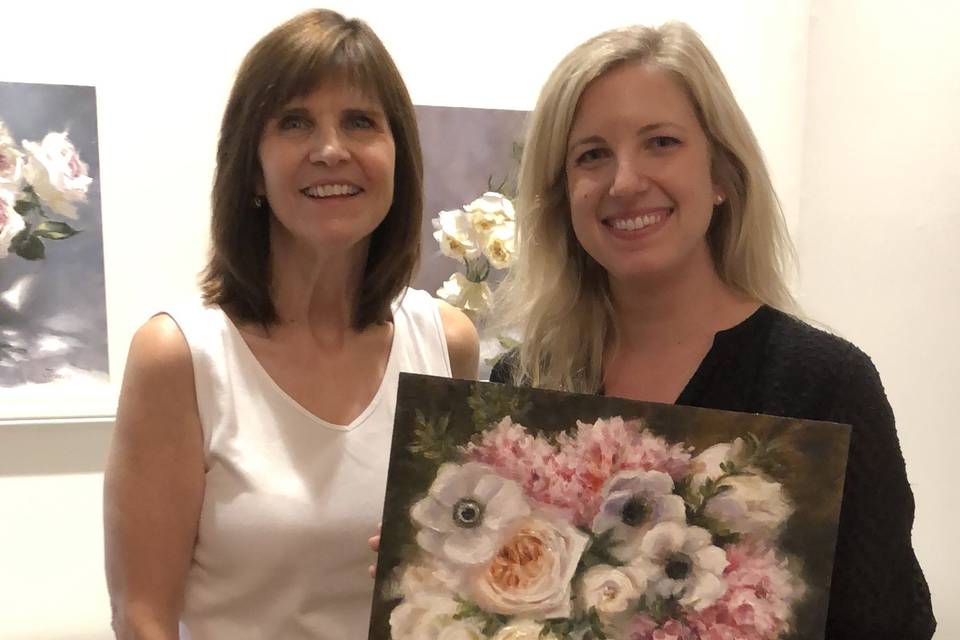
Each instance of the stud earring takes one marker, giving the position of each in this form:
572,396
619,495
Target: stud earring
258,202
718,200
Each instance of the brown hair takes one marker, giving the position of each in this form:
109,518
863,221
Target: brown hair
310,50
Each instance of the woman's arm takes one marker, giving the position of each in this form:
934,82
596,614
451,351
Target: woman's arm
463,342
878,590
153,485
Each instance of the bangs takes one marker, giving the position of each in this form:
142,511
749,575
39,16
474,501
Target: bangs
331,62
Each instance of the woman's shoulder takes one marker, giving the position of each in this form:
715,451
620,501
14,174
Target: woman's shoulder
459,333
826,375
463,341
804,346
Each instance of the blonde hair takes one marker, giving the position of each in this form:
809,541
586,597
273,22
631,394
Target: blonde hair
556,294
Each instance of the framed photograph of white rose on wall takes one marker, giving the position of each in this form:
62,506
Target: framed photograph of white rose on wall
53,326
514,513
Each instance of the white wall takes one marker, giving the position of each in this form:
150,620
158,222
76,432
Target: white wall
879,227
162,75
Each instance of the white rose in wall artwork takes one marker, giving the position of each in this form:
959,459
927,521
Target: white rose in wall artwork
481,236
56,173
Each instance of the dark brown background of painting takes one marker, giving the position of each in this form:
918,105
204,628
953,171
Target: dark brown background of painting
814,457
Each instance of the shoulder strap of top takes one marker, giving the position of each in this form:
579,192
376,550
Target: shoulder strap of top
205,329
426,335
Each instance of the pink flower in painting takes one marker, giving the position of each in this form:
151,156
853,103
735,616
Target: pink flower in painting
761,591
515,454
573,478
56,173
510,449
645,628
598,451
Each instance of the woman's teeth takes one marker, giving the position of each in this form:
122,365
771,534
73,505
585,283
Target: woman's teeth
327,190
639,222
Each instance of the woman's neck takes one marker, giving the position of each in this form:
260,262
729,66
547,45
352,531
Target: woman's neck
670,309
316,289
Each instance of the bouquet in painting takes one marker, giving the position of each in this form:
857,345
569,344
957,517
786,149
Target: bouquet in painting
603,531
481,236
39,183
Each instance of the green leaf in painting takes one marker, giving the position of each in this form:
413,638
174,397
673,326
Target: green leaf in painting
431,439
491,404
27,246
599,550
23,207
53,230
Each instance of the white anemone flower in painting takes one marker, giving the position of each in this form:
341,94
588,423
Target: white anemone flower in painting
633,503
681,562
466,512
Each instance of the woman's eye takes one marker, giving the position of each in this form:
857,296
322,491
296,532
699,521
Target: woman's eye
292,123
360,121
663,142
591,155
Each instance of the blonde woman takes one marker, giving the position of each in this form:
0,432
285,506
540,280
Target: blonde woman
651,265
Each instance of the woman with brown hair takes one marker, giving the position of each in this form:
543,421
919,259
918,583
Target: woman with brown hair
254,427
651,265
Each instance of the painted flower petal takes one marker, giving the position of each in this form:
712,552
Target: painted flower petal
697,538
433,515
712,559
662,540
669,509
706,588
467,546
430,541
639,481
454,482
507,505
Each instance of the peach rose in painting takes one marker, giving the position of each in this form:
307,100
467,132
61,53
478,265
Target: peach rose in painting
530,574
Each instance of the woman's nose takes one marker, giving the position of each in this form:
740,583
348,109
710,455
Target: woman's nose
631,178
328,148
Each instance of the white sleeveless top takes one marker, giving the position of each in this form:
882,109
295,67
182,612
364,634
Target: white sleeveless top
290,499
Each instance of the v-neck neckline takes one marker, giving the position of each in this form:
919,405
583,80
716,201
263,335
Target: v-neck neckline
247,353
724,341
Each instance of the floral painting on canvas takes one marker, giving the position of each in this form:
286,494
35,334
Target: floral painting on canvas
53,329
522,514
